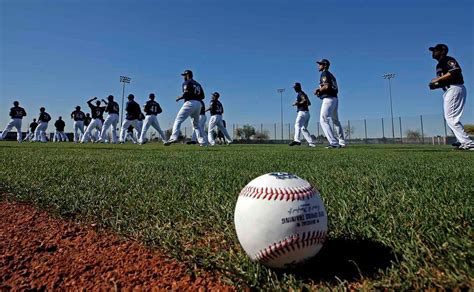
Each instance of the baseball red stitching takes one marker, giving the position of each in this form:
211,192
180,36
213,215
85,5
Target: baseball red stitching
291,243
287,194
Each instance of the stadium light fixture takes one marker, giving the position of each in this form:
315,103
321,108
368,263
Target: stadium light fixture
123,80
389,76
281,90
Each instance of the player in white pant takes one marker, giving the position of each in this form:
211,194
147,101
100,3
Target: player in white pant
133,111
96,122
59,135
78,116
43,120
216,109
192,95
151,109
302,104
327,91
201,125
451,80
16,114
111,121
31,132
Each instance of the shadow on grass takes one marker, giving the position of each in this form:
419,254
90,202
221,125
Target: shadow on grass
346,260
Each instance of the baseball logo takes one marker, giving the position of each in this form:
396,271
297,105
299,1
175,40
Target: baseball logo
280,220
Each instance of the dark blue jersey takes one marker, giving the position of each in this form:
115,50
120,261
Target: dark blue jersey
78,115
303,102
216,108
33,126
17,112
87,121
97,112
192,90
328,79
59,124
141,116
133,110
449,64
44,117
203,108
152,108
112,108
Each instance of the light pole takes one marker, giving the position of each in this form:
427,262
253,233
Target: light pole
123,80
281,90
390,76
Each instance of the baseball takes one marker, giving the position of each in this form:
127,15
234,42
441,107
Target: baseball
280,220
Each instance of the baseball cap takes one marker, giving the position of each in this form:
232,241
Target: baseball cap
78,107
439,47
151,95
323,62
187,72
131,96
297,84
216,94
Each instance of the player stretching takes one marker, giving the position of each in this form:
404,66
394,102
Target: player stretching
151,109
31,133
40,132
327,91
78,116
302,104
132,110
216,109
16,113
202,123
59,135
112,119
96,122
192,94
450,79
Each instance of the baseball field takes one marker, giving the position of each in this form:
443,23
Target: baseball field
400,216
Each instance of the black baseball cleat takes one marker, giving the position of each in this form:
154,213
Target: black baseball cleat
456,144
333,147
466,147
169,142
293,143
191,143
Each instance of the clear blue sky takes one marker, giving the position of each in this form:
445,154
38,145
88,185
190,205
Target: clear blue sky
57,54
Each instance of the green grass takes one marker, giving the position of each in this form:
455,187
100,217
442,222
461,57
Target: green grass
399,216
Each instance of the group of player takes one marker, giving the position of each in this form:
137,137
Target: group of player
449,78
94,128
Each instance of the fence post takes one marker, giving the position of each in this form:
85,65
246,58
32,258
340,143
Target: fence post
261,128
365,128
401,135
348,129
185,136
318,128
445,129
289,131
422,133
383,130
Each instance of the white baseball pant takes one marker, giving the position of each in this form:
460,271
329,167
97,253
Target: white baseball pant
29,136
60,137
202,124
301,126
191,108
126,123
96,124
78,130
40,132
111,121
13,123
216,121
151,120
329,111
454,101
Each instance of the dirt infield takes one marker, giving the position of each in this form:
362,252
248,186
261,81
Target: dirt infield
41,252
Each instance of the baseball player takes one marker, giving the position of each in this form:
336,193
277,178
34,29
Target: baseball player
78,116
133,111
192,95
16,113
151,109
43,120
130,135
220,135
97,112
327,91
216,109
202,124
112,120
31,133
59,135
302,104
451,80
